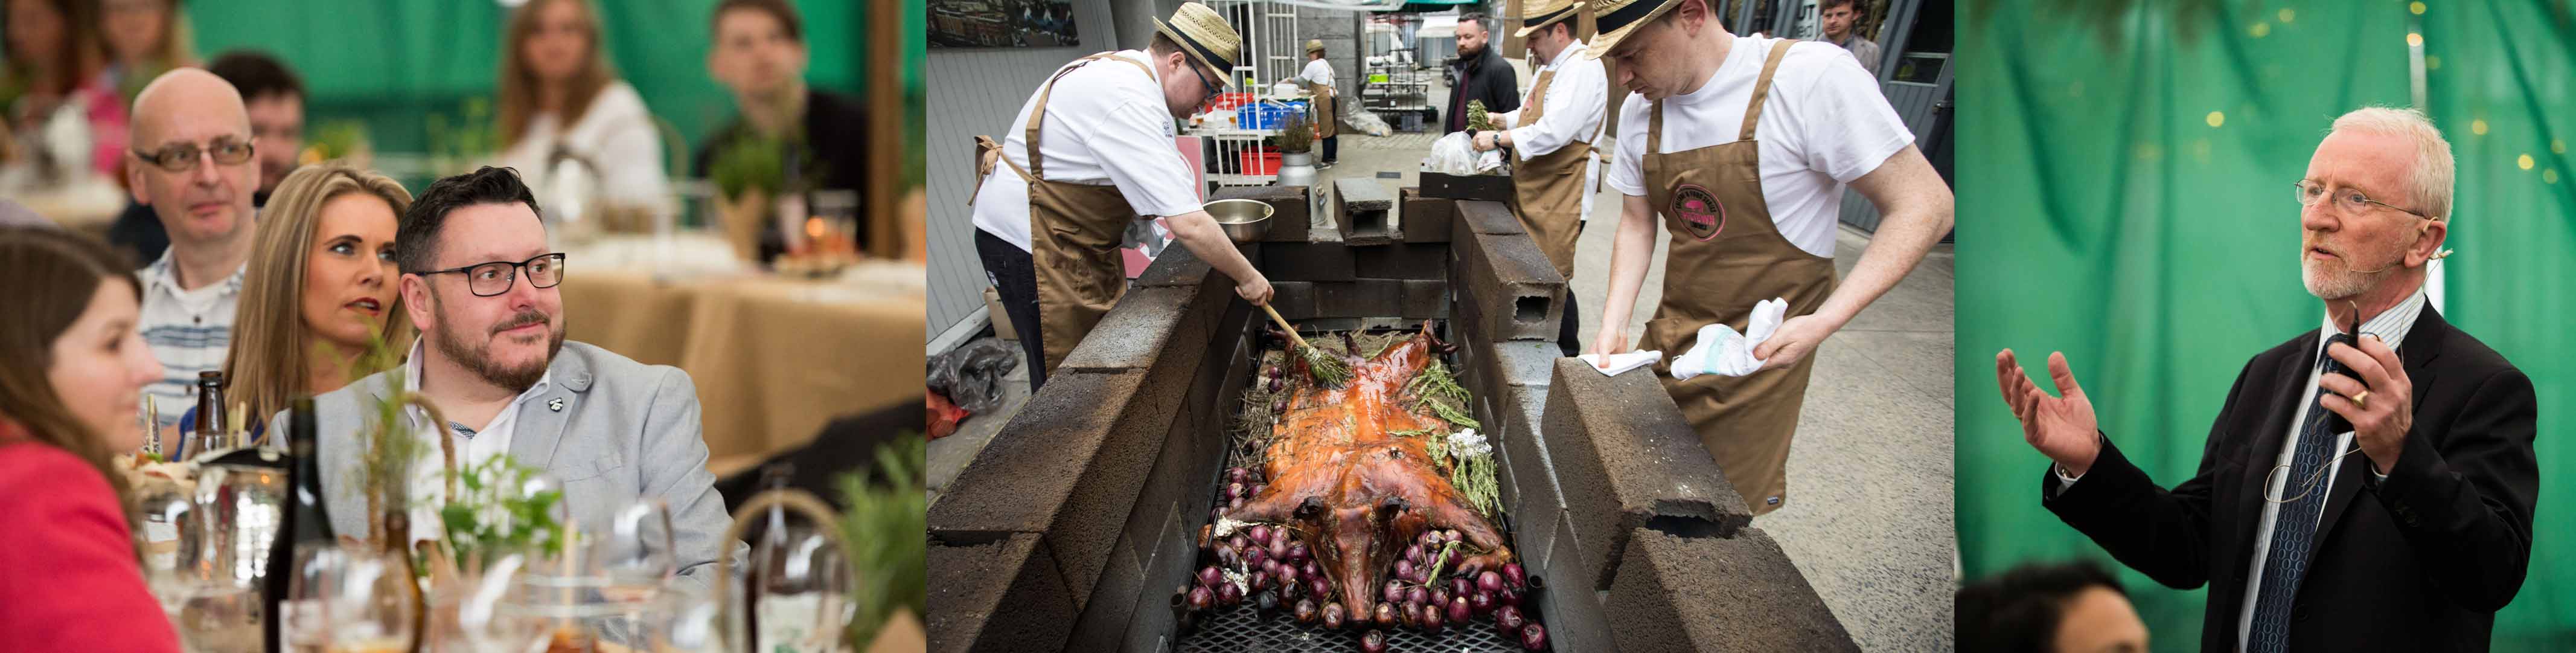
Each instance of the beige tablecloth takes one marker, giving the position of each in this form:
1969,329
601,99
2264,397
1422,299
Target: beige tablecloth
774,359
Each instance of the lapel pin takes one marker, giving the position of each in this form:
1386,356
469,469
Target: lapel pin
555,404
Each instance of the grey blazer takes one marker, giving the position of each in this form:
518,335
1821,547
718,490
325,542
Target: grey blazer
625,430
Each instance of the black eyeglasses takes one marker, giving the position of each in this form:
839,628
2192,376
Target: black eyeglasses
1212,87
494,278
182,157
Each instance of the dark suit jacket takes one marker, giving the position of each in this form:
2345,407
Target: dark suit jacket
1485,77
2419,562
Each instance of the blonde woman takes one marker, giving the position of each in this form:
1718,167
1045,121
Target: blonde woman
144,38
321,285
576,133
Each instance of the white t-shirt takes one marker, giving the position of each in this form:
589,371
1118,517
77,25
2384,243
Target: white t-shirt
1823,125
1317,72
1106,124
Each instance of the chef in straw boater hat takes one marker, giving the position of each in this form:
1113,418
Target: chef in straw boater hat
1058,192
1317,77
1552,134
1743,145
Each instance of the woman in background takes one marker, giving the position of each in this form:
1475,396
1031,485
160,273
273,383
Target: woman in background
144,38
72,370
52,61
575,132
320,290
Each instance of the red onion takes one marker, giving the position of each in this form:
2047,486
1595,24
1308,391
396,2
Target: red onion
1201,598
1394,591
1257,487
1508,618
1322,588
1413,554
1416,595
1507,597
1306,612
1237,474
1279,546
1386,615
1404,569
1512,572
1534,637
1373,642
1229,594
1333,616
1209,576
1431,620
1489,581
1234,490
1260,579
1287,575
1482,601
1459,611
1226,555
1299,553
1260,534
1459,585
1253,557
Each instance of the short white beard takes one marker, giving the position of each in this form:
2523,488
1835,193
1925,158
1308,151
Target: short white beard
2335,284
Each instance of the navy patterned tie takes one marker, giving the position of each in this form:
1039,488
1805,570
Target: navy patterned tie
2294,528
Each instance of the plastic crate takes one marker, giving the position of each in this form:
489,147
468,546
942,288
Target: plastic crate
1258,161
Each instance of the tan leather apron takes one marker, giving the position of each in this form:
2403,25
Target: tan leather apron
1321,110
1551,188
1074,234
1725,255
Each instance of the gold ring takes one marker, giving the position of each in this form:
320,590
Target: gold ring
2361,399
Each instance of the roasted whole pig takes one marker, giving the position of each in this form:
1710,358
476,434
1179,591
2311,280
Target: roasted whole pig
1343,480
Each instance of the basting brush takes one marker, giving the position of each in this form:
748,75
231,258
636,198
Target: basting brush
1327,369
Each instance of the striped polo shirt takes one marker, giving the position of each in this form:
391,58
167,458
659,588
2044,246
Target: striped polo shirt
188,330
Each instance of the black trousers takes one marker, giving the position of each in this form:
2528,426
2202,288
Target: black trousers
1568,331
1332,148
1014,276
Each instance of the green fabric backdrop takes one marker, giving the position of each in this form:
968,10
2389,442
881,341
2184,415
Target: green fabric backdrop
394,64
2124,198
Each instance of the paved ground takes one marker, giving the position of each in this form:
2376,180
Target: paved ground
1869,515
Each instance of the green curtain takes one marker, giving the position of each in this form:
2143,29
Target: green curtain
2498,75
2125,198
402,66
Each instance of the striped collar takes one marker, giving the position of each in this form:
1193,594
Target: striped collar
2390,326
161,275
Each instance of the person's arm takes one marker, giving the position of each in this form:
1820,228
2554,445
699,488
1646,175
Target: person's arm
2163,534
1199,232
1156,180
1916,209
629,156
1632,249
2464,507
63,538
673,455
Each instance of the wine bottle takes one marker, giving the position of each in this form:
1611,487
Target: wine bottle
209,436
306,522
397,546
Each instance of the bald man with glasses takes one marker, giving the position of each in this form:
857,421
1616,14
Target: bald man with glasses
191,162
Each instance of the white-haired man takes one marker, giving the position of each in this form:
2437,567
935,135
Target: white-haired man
2357,493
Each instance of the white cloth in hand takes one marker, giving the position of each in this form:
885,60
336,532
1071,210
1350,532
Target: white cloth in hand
1620,363
1722,351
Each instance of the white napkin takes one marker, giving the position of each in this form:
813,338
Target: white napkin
1622,362
1722,351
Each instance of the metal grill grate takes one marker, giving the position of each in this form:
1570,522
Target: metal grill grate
1241,630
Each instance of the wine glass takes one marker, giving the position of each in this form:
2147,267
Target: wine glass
803,583
480,610
635,553
347,599
195,563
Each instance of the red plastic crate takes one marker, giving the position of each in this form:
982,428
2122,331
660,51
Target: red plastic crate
1225,101
1259,162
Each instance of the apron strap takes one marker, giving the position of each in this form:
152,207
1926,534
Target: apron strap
1655,127
1037,115
1762,86
1536,106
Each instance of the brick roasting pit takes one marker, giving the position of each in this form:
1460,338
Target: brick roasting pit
1070,530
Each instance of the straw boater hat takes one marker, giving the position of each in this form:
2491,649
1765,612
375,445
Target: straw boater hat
1548,12
1619,18
1314,46
1206,36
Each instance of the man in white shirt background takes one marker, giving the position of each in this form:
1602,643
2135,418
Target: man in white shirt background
1078,166
1553,133
1745,145
1317,77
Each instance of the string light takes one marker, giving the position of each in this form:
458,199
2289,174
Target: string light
2217,118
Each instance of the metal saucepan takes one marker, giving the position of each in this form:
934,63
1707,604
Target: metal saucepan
1243,220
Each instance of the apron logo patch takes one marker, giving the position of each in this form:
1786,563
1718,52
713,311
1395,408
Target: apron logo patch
1699,211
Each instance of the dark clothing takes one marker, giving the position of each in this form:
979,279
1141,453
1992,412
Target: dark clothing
1332,149
1014,276
138,231
2418,562
1482,77
849,443
832,154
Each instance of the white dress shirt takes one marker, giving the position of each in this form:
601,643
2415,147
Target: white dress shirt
2391,327
1577,102
1823,125
1106,125
473,445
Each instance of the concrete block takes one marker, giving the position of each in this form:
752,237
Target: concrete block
995,596
1291,216
1401,261
1425,299
1320,260
1023,478
1423,219
1518,294
1144,327
1680,593
1364,210
1626,459
1476,216
1363,298
1294,300
1115,598
1178,266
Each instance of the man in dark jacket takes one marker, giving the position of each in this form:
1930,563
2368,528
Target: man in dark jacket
1482,74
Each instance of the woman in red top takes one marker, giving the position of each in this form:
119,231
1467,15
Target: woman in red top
72,368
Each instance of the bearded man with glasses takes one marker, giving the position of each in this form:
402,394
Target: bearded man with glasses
190,163
479,283
2357,493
